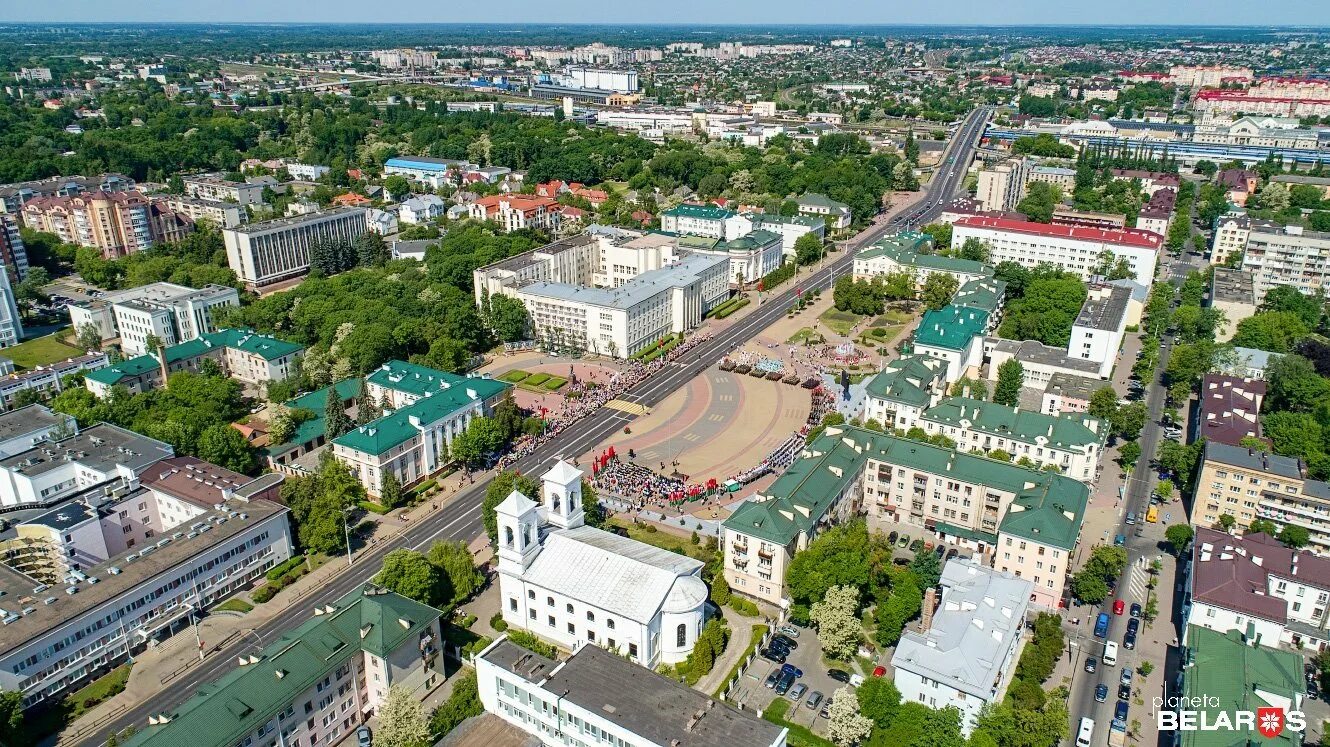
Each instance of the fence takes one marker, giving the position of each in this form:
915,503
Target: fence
747,662
72,736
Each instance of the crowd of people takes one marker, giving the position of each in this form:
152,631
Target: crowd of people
585,396
636,483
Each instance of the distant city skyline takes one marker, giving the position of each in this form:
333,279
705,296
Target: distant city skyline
967,12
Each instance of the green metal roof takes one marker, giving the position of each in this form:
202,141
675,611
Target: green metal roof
441,394
1011,422
935,262
1047,508
230,708
908,380
114,374
951,327
1239,677
702,212
903,241
951,530
752,240
249,341
317,402
985,294
821,200
775,219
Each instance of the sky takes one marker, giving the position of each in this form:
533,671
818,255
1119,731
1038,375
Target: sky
970,12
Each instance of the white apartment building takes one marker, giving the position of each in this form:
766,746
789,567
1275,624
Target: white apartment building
382,222
1072,248
420,209
964,654
217,189
596,697
118,566
1039,361
26,427
173,313
573,584
220,214
1287,256
11,325
1231,233
1097,333
318,683
1002,186
266,253
907,386
306,172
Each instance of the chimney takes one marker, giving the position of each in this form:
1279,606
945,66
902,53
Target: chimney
161,362
926,613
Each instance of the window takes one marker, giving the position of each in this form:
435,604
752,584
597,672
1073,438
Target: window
532,614
590,616
570,609
508,536
512,604
549,601
531,594
681,635
609,622
632,650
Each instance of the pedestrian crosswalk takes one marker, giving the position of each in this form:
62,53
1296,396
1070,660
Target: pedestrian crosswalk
1136,584
628,407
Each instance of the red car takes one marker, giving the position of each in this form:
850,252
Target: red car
1118,607
878,672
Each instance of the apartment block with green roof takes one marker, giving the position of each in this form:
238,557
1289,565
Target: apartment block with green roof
954,334
426,409
1234,676
912,252
790,228
1027,520
1071,443
906,387
242,354
315,684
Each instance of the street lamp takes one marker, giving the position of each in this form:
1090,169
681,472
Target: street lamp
346,528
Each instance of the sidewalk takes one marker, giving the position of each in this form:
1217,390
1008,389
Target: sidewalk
741,633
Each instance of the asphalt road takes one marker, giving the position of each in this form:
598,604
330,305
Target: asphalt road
460,518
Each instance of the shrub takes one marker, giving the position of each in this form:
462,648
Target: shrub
498,623
530,642
373,507
282,569
743,606
467,621
264,593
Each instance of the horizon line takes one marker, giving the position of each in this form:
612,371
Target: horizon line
675,24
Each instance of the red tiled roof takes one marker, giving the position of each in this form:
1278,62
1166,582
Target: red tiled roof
1121,236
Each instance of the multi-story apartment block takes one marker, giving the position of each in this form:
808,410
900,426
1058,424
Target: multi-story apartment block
912,253
172,313
1070,248
51,471
1208,76
307,172
515,212
1230,102
13,196
955,335
596,697
36,74
217,189
220,214
1059,176
1227,673
1249,484
1096,335
45,380
964,654
789,227
13,254
1002,186
242,354
429,409
906,387
1071,443
319,682
1287,256
11,325
1254,584
117,223
1028,520
277,250
26,427
1231,233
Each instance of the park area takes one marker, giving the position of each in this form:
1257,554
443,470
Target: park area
539,383
40,351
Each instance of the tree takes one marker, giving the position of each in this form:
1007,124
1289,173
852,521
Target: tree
1262,526
509,318
402,721
845,725
1294,536
1041,199
1179,536
1090,585
1011,375
836,617
967,387
1128,453
1290,299
390,490
458,566
808,249
900,607
1272,331
498,489
1294,385
879,700
941,233
335,420
1130,419
1227,521
226,447
975,250
939,288
593,514
926,567
410,574
1104,403
11,717
397,186
89,338
462,703
371,250
152,343
367,407
837,557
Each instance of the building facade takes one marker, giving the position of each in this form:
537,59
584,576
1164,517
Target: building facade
265,253
116,223
1288,256
1249,484
172,313
1075,249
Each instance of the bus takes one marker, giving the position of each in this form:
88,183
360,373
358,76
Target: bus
1152,515
1085,733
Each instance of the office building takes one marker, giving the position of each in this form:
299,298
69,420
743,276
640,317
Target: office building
1225,673
1077,250
836,214
117,223
574,584
262,254
50,471
1287,256
172,313
1029,519
26,427
955,335
1039,361
217,189
1071,443
964,653
46,380
241,354
1002,186
789,227
1248,483
1066,394
35,74
425,410
317,683
13,196
1097,333
1233,293
11,324
1253,584
423,168
220,214
596,697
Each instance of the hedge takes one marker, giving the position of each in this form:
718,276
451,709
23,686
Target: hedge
777,276
743,606
656,352
270,589
758,632
373,507
798,736
281,569
726,312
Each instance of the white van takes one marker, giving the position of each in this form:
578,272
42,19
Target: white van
1085,733
1110,653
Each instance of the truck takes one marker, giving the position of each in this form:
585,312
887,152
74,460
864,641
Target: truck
1101,625
1117,733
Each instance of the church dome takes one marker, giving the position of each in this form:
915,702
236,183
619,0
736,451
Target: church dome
687,594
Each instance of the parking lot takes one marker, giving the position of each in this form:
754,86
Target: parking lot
807,658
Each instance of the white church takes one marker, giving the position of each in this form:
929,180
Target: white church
573,584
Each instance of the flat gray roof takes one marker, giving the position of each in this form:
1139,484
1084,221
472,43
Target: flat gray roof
1104,308
1037,352
528,258
280,223
1232,286
634,291
1070,385
100,447
27,420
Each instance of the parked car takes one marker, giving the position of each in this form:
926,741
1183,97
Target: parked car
783,684
1134,625
771,678
363,736
903,541
798,691
826,707
1135,609
1129,641
1091,663
891,538
941,551
1101,693
1119,540
914,546
952,553
879,671
777,656
838,675
788,630
1126,675
1124,692
779,648
1120,711
1119,606
814,701
785,641
792,669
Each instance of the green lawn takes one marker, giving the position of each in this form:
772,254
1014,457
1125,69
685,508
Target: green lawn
234,604
806,333
663,540
540,383
891,318
840,322
51,719
40,351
